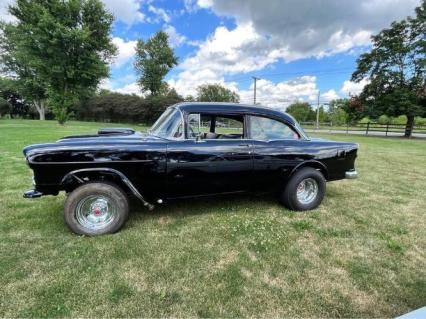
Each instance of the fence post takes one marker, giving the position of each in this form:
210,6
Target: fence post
368,127
347,128
387,129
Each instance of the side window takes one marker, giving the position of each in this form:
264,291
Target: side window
212,126
230,126
264,129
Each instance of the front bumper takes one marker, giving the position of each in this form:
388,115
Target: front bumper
352,174
32,194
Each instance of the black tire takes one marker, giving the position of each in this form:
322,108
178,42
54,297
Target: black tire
106,204
310,176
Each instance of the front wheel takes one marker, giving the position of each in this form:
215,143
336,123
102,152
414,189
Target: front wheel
305,190
96,209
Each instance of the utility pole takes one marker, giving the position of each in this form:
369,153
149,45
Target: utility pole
318,106
254,89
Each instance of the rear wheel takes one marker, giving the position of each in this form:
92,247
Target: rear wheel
96,209
305,190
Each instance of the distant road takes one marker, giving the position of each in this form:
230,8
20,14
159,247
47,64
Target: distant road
370,133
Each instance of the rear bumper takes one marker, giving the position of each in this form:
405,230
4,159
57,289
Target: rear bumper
32,194
352,174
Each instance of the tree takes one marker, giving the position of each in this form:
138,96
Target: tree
58,49
301,111
396,68
189,98
337,111
17,106
154,59
216,93
15,63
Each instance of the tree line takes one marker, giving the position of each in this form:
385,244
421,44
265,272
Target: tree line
55,54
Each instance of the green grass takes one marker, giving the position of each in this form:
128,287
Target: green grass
361,253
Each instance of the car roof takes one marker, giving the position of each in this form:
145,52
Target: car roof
233,108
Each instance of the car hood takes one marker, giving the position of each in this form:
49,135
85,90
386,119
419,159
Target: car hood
105,139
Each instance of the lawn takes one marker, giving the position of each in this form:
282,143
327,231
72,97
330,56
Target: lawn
361,253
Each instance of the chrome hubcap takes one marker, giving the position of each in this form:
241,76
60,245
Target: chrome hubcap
307,191
96,212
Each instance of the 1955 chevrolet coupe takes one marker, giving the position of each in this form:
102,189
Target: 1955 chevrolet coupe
193,149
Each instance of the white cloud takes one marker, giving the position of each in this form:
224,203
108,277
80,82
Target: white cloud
314,28
281,94
131,88
175,39
127,11
195,5
231,51
204,3
353,88
126,51
160,13
330,95
283,30
4,14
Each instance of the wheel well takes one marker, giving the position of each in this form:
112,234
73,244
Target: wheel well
71,182
316,165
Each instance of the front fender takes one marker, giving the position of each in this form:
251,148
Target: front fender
105,170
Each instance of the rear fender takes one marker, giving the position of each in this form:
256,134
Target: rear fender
314,164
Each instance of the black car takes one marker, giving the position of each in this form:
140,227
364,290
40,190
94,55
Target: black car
187,154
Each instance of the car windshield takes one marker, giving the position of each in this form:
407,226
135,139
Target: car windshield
169,125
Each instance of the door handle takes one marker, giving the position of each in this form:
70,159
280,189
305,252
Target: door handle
245,145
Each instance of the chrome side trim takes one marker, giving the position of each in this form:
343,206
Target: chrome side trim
123,177
89,162
352,174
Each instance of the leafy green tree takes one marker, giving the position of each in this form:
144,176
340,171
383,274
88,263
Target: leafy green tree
396,68
109,106
216,93
301,111
154,59
18,107
15,63
323,115
189,98
59,49
5,107
337,113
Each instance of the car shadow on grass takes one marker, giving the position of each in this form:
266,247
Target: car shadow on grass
218,204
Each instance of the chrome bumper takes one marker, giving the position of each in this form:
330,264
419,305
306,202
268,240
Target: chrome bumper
352,174
32,194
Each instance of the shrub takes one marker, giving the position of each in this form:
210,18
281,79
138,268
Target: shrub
364,120
420,120
383,119
402,119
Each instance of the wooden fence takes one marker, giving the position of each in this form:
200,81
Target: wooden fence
366,128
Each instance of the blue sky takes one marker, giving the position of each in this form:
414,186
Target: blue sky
295,47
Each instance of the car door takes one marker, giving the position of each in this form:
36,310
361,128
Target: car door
277,149
201,165
191,168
